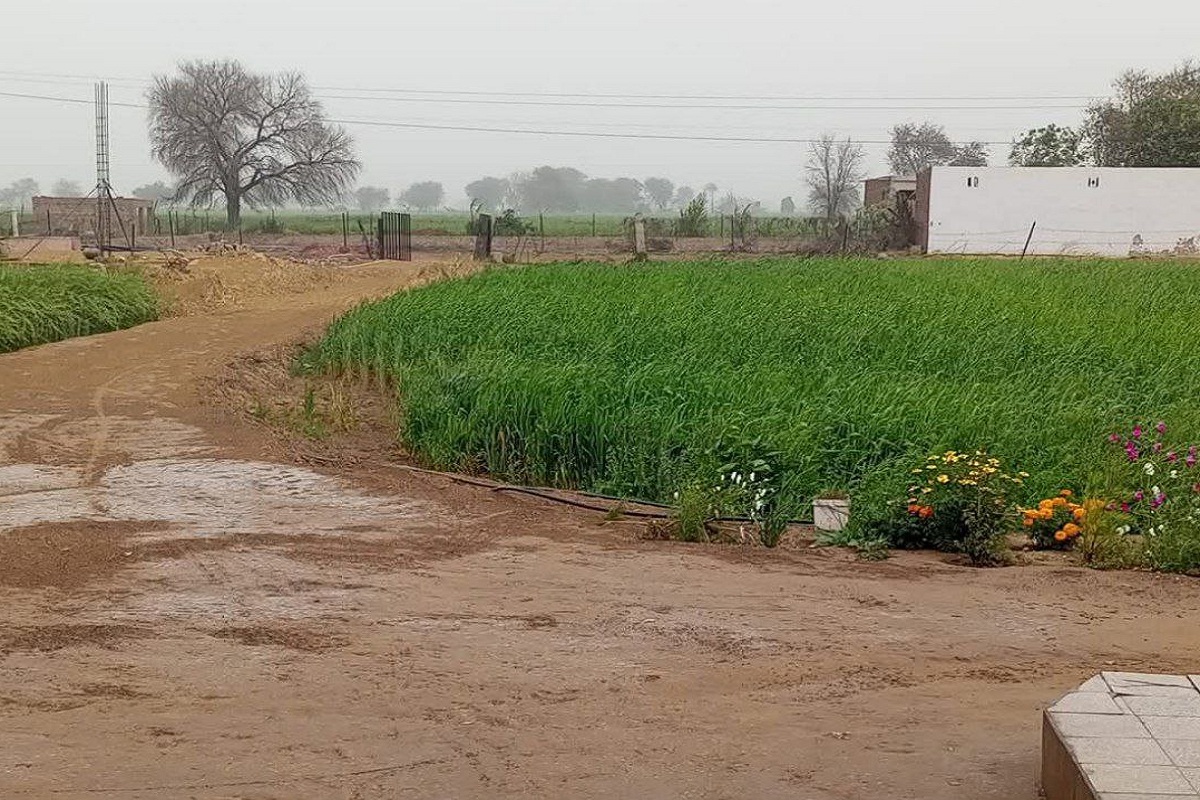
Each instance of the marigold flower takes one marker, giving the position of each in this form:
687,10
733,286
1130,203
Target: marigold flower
1079,514
1060,536
1066,493
943,478
1071,530
1028,522
926,512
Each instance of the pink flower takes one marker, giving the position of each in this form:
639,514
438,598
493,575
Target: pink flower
1139,496
1114,438
1158,501
1157,447
1172,456
1161,427
1137,431
1125,507
1131,450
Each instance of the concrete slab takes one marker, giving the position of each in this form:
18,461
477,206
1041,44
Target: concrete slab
1123,726
1182,752
1090,703
1114,750
1145,779
1124,736
1162,728
1163,705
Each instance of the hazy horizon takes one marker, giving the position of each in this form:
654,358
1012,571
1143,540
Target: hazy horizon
996,72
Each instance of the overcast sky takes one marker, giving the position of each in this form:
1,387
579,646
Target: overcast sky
875,53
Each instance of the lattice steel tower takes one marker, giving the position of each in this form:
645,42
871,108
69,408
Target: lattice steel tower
104,199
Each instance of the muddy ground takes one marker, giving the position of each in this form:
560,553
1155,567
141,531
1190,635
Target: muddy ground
197,607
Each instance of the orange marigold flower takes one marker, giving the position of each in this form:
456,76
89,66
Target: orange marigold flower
1071,529
1059,502
926,512
1029,522
914,509
1079,514
1065,493
1060,536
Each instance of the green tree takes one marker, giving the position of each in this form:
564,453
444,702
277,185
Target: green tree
1048,146
660,191
490,193
1150,121
423,196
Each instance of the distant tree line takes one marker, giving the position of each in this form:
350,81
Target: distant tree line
568,190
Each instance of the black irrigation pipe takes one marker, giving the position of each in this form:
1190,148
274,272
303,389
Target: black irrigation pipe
550,493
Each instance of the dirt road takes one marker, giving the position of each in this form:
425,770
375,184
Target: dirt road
188,615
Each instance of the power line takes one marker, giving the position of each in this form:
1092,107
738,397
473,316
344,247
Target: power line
66,99
526,131
44,78
711,106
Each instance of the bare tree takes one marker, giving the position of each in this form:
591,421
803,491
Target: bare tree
833,173
915,147
257,140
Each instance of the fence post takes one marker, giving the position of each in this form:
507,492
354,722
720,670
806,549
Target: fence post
345,230
16,224
49,227
593,225
483,237
171,227
639,238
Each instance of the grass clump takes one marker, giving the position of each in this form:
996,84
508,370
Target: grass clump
835,372
40,304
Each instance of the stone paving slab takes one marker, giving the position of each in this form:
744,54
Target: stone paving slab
1124,736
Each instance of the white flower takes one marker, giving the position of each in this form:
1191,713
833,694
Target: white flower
1149,468
1156,491
1174,473
752,478
1124,529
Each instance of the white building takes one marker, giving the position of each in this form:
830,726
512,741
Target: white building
1069,210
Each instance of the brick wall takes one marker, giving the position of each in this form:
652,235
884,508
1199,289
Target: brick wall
77,215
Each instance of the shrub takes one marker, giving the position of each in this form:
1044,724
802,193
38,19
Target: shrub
959,503
1057,521
693,219
1162,485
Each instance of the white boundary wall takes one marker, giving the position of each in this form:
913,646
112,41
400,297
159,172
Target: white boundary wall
1078,210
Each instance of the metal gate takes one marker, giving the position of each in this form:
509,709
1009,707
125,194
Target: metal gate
394,236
